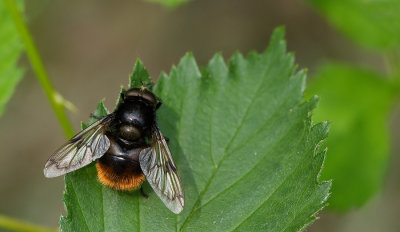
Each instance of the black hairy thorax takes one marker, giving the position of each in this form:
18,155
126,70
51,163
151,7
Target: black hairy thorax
129,133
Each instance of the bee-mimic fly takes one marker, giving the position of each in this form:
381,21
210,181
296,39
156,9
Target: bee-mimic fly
128,148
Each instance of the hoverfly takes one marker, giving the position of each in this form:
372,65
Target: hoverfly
128,148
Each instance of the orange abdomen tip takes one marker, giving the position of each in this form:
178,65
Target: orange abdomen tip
128,180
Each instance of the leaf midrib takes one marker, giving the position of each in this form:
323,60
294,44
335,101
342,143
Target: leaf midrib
79,205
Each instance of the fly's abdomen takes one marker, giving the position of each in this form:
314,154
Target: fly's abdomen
121,173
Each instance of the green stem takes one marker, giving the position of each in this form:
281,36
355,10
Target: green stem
16,225
56,100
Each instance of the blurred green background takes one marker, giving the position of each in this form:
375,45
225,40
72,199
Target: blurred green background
350,48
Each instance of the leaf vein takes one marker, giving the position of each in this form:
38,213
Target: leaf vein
79,205
246,174
278,187
215,170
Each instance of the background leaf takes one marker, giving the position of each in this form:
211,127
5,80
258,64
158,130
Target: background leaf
169,3
372,23
358,102
10,50
243,144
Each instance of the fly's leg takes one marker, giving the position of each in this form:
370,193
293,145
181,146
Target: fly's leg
143,193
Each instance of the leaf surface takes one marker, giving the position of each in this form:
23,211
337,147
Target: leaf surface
244,145
358,102
10,50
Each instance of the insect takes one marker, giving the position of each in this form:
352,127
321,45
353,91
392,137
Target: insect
128,148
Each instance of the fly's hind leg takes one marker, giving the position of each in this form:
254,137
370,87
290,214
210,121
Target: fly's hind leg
143,193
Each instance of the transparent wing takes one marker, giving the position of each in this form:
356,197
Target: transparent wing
159,168
88,145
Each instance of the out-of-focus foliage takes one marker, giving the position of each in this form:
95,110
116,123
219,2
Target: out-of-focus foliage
169,3
372,23
10,51
358,103
244,146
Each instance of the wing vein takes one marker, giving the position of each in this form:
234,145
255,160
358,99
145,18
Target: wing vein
81,150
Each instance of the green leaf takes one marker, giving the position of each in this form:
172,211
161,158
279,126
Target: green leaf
139,77
10,50
244,146
99,112
358,102
169,3
371,23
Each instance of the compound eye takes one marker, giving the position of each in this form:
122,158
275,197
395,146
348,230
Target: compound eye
130,132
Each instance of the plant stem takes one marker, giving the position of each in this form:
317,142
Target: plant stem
16,225
56,100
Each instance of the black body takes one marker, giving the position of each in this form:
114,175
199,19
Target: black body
130,131
128,148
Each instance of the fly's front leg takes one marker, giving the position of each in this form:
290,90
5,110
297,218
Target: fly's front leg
159,103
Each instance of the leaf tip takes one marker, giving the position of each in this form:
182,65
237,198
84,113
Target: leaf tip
101,105
217,61
188,64
83,125
278,35
326,125
140,76
187,58
119,99
99,112
312,103
321,129
188,54
216,57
